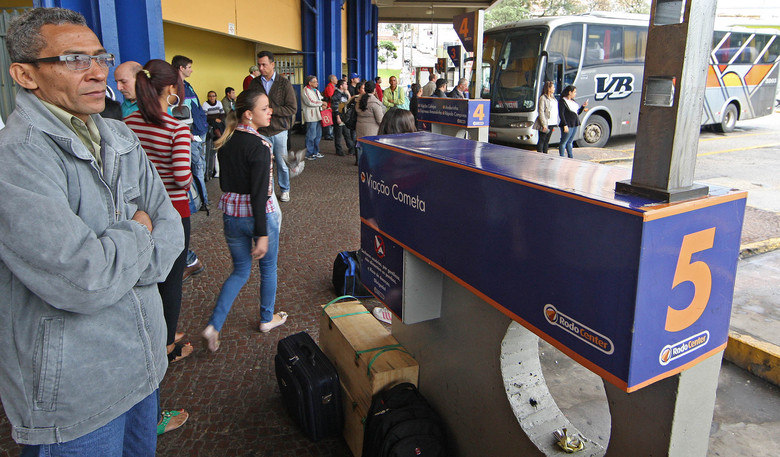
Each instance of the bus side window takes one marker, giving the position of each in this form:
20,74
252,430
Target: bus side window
766,53
635,41
564,47
604,45
773,52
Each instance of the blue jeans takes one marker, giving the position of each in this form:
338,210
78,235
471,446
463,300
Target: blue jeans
279,143
134,433
313,137
239,235
198,165
566,141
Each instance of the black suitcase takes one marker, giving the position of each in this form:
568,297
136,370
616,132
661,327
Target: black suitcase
309,385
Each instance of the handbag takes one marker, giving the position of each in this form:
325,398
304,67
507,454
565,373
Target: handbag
327,117
182,113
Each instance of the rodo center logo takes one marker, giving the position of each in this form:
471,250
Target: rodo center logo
578,329
671,352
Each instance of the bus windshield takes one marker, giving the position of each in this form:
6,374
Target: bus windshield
515,78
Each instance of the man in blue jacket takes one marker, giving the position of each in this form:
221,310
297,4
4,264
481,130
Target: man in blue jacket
199,127
86,232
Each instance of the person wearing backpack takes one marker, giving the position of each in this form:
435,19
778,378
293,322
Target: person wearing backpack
341,95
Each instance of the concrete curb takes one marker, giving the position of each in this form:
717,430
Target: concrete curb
758,357
614,160
758,247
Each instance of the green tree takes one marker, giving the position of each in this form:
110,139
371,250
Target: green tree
386,51
506,11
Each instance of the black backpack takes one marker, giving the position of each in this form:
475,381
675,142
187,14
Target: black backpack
401,423
350,115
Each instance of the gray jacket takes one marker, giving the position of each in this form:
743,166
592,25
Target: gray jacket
82,332
544,108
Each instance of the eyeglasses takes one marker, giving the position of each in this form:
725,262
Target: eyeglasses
78,62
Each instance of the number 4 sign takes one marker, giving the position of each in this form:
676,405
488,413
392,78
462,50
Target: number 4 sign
465,26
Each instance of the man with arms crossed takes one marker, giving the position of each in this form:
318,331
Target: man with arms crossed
87,233
284,104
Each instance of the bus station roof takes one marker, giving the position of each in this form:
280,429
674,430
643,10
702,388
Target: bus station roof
440,11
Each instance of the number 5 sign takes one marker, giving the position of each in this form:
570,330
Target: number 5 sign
685,283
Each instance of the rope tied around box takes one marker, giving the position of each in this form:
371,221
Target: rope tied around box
381,349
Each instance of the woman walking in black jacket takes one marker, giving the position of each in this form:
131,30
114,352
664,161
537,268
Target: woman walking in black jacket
568,112
252,217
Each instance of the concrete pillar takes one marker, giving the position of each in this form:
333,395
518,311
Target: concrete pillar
669,418
679,41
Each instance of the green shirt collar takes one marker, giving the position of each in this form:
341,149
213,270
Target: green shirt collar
86,132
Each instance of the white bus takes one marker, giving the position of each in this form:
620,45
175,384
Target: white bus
603,55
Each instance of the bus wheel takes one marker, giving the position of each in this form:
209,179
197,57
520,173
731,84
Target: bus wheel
595,133
729,120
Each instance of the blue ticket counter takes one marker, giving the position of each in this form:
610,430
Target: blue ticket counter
633,289
458,117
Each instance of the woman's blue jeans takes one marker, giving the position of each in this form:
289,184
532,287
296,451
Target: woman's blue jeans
239,235
313,137
566,142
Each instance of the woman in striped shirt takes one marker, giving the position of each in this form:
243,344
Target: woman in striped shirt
251,212
166,142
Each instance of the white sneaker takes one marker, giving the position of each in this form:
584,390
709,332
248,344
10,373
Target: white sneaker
285,196
318,155
383,314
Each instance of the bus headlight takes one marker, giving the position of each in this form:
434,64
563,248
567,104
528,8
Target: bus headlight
521,125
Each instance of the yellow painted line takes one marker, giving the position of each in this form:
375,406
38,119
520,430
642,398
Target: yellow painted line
773,145
631,157
758,357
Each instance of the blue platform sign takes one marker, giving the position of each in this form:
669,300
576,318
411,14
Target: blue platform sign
460,112
454,53
633,289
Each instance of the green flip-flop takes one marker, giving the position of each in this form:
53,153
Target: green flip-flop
166,418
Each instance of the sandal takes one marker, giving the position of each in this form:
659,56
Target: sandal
180,351
211,338
178,337
278,319
171,420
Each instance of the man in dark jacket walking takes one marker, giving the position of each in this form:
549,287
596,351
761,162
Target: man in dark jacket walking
284,104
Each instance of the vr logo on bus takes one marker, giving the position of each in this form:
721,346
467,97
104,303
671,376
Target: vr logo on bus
614,87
